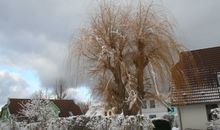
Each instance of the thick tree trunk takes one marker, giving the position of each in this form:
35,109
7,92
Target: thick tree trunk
121,88
140,63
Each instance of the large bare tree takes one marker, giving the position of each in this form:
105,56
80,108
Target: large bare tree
123,47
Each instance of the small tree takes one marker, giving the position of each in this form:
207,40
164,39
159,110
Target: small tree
60,89
41,94
37,110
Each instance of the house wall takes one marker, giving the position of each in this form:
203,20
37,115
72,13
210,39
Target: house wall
193,116
4,115
159,110
56,110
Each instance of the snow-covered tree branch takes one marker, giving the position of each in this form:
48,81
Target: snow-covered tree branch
37,110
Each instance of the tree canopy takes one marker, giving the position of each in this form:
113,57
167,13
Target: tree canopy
127,48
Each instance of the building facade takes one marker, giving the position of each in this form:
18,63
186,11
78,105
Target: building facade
153,108
196,89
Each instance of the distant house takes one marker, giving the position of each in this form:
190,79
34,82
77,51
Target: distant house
62,108
196,78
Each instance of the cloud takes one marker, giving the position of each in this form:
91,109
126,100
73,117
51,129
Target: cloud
56,19
34,52
35,35
80,94
13,86
197,23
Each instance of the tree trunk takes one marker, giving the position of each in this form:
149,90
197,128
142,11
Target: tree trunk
140,64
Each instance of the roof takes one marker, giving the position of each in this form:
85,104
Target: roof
66,107
15,106
195,77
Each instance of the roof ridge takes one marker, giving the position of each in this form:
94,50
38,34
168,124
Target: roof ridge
207,48
42,99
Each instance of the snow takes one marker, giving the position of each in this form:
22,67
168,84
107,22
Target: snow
37,110
174,128
118,122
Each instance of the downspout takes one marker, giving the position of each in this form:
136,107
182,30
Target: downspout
180,118
141,110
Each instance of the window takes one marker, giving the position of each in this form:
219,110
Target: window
144,105
152,116
209,107
106,113
152,104
218,77
110,113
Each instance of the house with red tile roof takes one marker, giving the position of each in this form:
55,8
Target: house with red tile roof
62,108
196,89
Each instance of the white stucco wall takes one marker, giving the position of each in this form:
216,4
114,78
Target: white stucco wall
194,116
159,110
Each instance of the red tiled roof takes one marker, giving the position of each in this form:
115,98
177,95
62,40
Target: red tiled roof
66,107
15,106
195,77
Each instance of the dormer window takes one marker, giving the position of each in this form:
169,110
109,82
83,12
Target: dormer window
218,77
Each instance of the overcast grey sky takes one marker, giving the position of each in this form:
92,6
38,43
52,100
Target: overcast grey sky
35,34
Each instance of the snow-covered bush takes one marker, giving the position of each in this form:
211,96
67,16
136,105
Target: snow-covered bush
37,110
214,124
4,126
83,122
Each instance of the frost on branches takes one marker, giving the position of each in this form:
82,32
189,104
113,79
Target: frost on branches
37,110
83,122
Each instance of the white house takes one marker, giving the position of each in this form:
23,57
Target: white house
153,108
196,89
